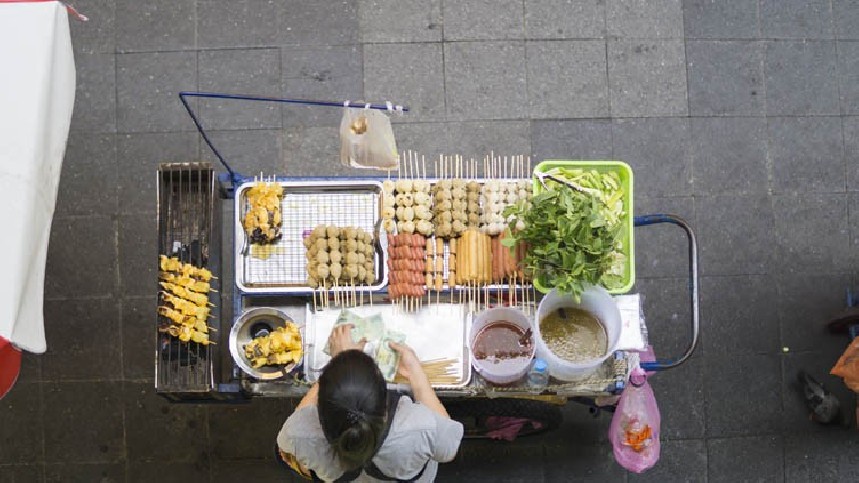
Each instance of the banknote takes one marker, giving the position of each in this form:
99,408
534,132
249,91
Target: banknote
386,358
371,328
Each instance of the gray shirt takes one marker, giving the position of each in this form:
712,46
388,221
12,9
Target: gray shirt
418,435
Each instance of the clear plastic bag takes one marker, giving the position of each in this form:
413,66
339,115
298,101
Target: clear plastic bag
367,139
634,430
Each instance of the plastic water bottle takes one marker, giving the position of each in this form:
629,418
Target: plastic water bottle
538,376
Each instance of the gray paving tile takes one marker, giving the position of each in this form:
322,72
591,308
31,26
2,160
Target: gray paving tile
160,431
581,463
319,23
314,151
736,234
658,150
31,367
717,91
801,78
485,80
679,461
812,233
729,156
138,157
99,33
326,73
745,459
853,223
72,271
95,94
851,151
408,74
400,21
680,394
667,315
647,78
27,473
737,315
83,340
88,180
242,71
642,19
803,19
848,76
250,470
574,139
806,304
247,152
730,381
156,25
138,238
483,20
817,364
821,457
579,427
846,16
706,19
74,432
147,89
21,420
138,338
477,138
238,23
567,79
562,19
247,431
101,472
483,461
428,139
661,250
807,154
147,471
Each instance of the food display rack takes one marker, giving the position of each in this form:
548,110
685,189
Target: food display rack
245,287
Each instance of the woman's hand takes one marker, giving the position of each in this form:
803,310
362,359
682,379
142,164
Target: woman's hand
410,365
341,340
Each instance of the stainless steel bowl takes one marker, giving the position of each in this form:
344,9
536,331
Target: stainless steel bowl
251,324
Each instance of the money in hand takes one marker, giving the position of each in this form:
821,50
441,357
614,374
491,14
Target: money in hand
388,359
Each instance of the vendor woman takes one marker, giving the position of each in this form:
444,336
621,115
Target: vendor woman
349,428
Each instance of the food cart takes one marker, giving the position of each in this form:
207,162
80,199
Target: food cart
202,228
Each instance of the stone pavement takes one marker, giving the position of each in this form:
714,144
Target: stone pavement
742,116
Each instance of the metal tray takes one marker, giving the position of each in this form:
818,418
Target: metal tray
305,205
434,331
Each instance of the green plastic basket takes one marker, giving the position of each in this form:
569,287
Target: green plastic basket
625,173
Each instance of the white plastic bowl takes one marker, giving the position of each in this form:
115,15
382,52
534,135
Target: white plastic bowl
595,300
505,372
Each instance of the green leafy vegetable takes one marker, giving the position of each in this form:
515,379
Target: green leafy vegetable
573,235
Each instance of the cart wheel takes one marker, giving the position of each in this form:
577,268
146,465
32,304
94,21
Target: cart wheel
504,418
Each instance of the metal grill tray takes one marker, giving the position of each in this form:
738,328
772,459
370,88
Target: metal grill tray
305,205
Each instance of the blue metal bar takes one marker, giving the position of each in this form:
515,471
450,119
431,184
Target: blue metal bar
646,220
235,178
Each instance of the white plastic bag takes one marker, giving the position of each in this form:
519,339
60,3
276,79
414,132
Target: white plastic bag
367,140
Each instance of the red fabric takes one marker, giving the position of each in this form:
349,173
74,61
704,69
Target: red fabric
10,365
507,427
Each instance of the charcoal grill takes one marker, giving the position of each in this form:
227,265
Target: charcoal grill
187,222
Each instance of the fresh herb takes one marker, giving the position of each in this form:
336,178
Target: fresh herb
573,235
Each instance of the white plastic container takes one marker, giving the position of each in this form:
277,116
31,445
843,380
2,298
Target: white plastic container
595,300
505,371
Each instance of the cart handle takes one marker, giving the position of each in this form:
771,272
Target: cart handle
645,220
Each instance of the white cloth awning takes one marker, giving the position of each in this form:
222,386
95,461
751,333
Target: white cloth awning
37,93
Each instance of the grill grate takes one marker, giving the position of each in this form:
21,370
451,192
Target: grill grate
304,206
185,227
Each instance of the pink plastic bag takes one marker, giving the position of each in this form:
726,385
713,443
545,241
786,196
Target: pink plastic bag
634,430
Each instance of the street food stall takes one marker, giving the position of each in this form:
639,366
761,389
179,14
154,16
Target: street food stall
445,253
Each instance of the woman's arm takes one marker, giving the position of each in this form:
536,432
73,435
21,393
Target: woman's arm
310,398
410,368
